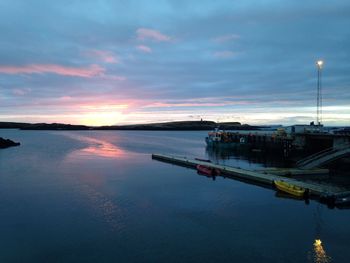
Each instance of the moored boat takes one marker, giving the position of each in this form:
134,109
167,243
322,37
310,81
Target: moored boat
222,139
290,188
342,201
339,201
207,170
273,142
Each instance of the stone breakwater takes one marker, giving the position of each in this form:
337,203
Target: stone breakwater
5,143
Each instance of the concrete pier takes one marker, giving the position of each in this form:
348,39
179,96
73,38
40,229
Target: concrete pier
254,177
290,172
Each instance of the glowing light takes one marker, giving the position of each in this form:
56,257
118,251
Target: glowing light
320,255
101,118
319,64
318,243
104,107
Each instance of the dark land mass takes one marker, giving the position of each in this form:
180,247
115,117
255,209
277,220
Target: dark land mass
182,126
5,143
54,126
41,126
167,126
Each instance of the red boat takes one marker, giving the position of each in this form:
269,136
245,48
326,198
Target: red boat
207,170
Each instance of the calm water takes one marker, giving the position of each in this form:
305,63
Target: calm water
97,196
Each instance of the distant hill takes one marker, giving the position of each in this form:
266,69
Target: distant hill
180,125
41,126
12,125
166,126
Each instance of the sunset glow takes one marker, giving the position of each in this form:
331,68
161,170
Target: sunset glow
101,118
226,63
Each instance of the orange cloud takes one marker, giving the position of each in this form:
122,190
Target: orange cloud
91,71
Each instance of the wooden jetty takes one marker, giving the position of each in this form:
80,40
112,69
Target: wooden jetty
255,177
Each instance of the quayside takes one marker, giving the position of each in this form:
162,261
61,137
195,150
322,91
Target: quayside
260,177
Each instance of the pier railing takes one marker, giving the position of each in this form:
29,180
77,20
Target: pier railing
323,157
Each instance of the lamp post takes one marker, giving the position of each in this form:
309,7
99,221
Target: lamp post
319,65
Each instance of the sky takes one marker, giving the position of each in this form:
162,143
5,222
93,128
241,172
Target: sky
107,62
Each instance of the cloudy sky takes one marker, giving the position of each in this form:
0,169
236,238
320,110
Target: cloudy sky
116,62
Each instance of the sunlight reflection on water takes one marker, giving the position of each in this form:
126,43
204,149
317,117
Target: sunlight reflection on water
104,207
95,148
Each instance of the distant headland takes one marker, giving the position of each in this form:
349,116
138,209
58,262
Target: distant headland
166,126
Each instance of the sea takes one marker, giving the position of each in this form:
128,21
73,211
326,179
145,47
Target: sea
97,196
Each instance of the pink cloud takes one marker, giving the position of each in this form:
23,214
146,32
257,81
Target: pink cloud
21,92
224,54
226,38
65,98
167,105
146,33
113,77
145,49
105,56
91,71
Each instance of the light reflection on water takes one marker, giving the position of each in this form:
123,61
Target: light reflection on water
104,207
95,148
88,185
319,254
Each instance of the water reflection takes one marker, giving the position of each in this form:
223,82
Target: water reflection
242,152
282,195
89,184
319,254
104,207
95,148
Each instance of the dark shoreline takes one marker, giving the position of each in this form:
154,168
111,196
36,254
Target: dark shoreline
167,126
5,143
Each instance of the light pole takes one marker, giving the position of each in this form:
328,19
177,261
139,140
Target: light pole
319,65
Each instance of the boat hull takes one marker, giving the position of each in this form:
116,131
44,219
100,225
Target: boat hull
342,201
219,144
207,170
289,188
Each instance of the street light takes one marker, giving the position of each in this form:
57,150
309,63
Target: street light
319,65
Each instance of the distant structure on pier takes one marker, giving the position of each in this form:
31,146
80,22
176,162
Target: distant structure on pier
319,65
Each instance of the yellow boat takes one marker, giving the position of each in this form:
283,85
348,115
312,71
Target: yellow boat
290,188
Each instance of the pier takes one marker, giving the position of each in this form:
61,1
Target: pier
324,157
261,177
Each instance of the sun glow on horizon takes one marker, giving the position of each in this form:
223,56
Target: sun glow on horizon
101,118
